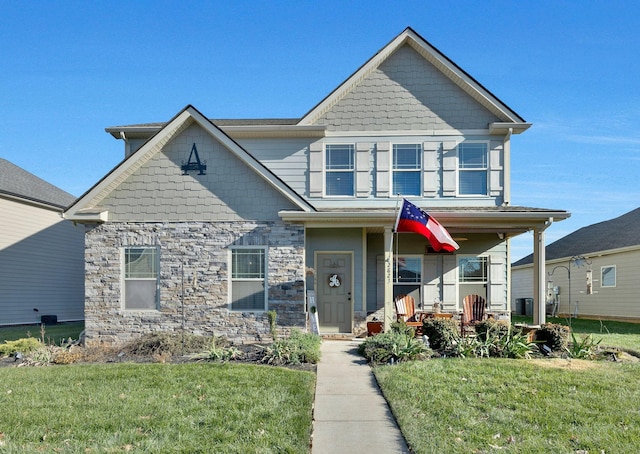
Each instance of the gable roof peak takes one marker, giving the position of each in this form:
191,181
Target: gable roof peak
440,61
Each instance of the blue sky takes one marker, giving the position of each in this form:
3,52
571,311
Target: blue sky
69,69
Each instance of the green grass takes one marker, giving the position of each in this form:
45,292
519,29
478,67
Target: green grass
491,405
613,334
53,334
230,408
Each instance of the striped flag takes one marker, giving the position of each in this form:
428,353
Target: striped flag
414,219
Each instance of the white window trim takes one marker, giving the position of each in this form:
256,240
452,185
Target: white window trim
230,279
325,170
487,169
419,170
615,270
124,279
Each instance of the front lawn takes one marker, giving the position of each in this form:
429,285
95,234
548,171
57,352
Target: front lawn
53,334
457,405
202,407
613,333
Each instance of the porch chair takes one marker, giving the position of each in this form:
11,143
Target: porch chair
473,311
406,312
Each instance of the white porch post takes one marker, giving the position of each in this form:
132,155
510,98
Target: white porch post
539,266
389,309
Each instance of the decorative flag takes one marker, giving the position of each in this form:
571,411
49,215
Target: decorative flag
414,219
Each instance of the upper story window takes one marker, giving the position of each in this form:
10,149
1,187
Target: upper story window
248,279
407,169
472,169
141,276
340,169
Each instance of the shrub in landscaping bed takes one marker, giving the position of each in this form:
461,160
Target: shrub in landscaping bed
25,345
442,332
394,346
492,326
298,348
555,336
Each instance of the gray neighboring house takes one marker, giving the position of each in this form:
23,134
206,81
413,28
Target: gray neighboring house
206,225
41,254
608,256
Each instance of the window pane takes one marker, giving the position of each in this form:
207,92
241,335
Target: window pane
141,294
340,157
140,263
472,269
248,264
406,183
247,296
339,183
609,276
406,157
473,182
408,269
473,155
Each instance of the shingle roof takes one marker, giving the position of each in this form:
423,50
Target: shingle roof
17,182
623,231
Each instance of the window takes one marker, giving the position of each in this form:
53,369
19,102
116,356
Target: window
407,169
407,269
472,168
472,269
340,170
608,276
141,278
248,279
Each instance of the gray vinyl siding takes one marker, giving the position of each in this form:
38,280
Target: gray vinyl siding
287,158
229,191
620,301
406,93
41,265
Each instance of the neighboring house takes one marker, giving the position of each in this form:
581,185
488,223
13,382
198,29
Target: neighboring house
602,261
41,254
208,224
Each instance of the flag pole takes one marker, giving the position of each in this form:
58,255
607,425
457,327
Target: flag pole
395,233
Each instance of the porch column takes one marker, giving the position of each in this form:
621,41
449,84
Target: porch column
539,266
389,309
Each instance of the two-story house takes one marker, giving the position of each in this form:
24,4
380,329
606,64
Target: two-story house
208,224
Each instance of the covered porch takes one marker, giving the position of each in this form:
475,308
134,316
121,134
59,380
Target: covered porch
353,261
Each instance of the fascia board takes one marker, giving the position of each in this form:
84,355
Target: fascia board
113,179
460,221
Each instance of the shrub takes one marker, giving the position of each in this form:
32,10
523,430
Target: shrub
298,348
442,332
163,343
218,351
67,356
24,345
496,327
495,343
584,348
555,336
394,346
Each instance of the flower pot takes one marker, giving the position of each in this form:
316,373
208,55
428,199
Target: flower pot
374,328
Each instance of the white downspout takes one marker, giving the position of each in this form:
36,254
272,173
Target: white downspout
539,266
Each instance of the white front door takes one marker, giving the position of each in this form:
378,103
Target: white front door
334,292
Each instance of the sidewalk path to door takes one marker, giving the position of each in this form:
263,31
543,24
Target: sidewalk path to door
350,414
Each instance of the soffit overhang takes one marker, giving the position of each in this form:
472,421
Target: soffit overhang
510,223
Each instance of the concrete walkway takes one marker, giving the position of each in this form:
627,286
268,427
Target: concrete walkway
350,415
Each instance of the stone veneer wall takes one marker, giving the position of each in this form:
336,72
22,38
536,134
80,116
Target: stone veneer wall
193,256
